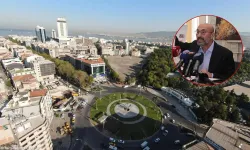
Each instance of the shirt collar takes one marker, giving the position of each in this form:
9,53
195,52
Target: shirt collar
210,49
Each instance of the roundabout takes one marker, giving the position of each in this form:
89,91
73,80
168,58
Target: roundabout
126,116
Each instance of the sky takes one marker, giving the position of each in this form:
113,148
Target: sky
119,16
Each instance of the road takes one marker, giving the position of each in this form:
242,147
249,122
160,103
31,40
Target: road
88,134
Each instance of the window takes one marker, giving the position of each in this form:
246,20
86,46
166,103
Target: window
31,135
32,139
33,143
25,145
23,140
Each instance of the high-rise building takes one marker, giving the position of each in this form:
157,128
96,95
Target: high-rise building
53,34
126,41
40,34
62,29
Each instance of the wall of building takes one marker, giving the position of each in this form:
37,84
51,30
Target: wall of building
39,138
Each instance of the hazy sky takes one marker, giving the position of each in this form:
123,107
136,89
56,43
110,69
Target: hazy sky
119,15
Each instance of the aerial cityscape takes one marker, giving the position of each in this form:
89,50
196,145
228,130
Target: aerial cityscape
66,90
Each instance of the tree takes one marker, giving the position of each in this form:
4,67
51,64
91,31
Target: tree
235,115
8,83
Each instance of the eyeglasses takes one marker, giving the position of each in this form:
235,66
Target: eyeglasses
203,32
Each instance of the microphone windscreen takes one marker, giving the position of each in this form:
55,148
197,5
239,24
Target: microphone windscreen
175,51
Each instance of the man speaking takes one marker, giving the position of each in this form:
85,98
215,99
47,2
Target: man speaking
218,61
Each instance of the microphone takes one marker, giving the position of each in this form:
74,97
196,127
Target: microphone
184,58
187,69
198,60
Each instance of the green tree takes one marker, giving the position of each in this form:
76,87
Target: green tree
8,83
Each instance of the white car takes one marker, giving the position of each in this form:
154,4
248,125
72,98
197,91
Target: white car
168,115
121,141
112,147
177,142
162,127
112,139
165,133
157,140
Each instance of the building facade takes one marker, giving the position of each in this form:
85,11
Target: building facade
30,115
62,29
45,70
53,34
40,34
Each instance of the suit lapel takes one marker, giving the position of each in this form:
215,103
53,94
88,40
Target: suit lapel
214,60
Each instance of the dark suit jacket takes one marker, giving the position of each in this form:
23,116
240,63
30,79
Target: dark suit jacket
221,64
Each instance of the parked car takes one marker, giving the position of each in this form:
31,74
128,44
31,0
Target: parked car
157,140
121,141
172,120
177,142
112,139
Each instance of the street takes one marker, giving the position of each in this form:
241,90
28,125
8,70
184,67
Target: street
89,134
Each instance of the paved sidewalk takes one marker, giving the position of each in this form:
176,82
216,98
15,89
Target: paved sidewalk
179,108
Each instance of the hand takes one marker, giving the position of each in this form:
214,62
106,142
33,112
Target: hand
210,75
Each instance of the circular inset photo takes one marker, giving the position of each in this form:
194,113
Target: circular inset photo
207,50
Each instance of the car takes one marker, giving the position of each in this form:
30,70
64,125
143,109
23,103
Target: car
168,115
112,143
172,120
164,116
162,127
157,140
173,106
112,147
177,142
165,134
112,139
121,141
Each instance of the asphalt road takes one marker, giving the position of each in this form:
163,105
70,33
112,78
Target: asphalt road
88,134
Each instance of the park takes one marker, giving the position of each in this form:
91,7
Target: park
126,116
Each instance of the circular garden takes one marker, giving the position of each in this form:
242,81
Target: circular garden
143,117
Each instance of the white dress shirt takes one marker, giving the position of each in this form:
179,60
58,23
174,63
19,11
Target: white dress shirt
207,57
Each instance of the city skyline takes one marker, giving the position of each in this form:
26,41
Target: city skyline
117,16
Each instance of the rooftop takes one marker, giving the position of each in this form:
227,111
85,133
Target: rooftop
45,62
240,88
91,61
200,146
23,78
229,135
6,134
36,93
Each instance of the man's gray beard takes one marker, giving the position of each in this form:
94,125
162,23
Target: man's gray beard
201,44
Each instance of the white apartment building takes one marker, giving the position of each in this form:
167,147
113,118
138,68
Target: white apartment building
29,60
108,49
62,28
29,116
12,63
44,70
19,72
